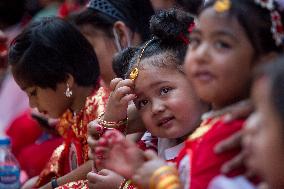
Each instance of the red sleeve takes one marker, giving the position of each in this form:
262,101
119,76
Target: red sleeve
205,163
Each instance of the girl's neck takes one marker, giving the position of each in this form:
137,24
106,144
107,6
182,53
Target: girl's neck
221,105
80,97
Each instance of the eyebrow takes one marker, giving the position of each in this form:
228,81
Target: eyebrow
225,33
153,85
218,33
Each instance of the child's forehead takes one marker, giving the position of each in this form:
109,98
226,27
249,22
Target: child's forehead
225,20
151,77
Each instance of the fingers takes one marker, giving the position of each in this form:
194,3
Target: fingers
150,154
232,142
125,82
104,172
124,95
114,137
95,130
94,177
235,163
240,110
114,82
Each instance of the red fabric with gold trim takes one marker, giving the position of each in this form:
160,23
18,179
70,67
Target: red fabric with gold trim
198,152
73,129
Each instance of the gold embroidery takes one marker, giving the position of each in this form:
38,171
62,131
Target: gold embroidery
203,129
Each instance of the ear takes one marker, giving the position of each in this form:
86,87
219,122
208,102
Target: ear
123,33
70,80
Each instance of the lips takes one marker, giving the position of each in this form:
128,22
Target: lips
164,121
203,76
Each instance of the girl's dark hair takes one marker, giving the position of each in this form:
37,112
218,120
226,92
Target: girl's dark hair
121,60
192,6
256,22
275,73
136,15
50,49
170,35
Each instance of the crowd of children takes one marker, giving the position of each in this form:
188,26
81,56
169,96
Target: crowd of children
199,83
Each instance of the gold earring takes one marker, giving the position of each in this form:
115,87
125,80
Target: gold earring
68,92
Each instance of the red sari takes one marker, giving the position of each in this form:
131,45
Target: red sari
73,128
197,162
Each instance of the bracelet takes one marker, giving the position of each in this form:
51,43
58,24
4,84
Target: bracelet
54,183
161,174
168,182
119,125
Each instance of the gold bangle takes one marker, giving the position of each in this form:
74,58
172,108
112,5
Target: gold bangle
111,124
162,170
174,186
168,181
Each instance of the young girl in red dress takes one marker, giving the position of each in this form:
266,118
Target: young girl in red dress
225,47
165,100
58,69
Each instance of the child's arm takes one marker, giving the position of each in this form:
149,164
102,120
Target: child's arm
79,173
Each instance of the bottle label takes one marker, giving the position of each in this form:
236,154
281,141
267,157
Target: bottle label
9,177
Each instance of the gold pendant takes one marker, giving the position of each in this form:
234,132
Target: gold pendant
134,74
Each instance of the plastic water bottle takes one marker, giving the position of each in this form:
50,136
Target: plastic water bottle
9,167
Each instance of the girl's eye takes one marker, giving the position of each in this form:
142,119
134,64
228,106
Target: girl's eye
165,90
142,103
222,45
194,42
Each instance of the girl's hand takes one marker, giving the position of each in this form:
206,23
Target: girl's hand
121,95
241,109
143,175
114,152
104,179
232,142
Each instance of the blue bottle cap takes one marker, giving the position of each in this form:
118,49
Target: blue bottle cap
5,141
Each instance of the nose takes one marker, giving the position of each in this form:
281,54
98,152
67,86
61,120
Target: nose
158,106
200,53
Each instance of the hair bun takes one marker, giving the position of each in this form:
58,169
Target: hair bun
169,25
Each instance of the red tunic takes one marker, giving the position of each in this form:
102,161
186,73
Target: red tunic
73,128
197,162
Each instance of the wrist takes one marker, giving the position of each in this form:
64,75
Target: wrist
119,125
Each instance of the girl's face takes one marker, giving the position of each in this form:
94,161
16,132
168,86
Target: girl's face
48,101
219,59
166,102
263,139
105,49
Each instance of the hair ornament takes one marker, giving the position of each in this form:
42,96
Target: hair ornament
277,28
222,5
135,71
107,8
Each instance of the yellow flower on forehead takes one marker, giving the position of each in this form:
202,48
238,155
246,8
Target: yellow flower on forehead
222,5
